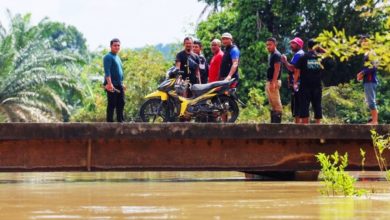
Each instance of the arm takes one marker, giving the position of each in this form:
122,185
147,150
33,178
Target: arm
319,49
233,69
218,63
297,73
178,64
235,55
197,72
275,77
290,67
360,76
107,62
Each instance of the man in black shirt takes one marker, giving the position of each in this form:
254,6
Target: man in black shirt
188,62
203,65
309,69
274,83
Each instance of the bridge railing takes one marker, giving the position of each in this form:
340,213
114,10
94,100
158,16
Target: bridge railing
180,146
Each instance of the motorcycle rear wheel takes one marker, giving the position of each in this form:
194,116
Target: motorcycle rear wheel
230,110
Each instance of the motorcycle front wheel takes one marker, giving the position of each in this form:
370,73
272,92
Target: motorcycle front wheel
154,111
228,109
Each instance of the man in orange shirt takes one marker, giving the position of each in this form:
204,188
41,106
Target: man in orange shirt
215,63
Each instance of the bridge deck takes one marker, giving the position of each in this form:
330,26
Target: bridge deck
181,146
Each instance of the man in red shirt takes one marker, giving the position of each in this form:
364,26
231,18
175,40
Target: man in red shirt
215,63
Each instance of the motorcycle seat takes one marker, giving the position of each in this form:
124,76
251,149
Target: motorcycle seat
200,88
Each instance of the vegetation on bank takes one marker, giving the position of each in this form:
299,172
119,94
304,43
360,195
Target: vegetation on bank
339,182
336,179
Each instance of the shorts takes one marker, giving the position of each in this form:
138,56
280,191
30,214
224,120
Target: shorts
310,95
370,93
295,101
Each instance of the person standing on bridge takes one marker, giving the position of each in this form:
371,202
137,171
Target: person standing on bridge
370,80
113,81
274,83
296,46
309,69
203,65
215,63
230,60
188,62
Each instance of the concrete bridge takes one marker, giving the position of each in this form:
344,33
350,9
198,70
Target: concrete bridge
250,148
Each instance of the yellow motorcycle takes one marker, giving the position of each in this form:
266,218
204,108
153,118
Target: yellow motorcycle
212,102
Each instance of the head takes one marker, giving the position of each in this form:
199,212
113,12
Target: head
311,44
188,44
364,41
315,46
271,44
115,45
227,39
215,46
197,48
296,44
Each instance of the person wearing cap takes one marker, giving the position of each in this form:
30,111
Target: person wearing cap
203,66
274,83
296,46
370,80
309,69
188,62
215,63
230,59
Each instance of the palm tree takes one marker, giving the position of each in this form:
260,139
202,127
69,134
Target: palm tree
34,76
211,7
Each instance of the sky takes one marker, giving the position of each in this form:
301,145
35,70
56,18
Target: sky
135,22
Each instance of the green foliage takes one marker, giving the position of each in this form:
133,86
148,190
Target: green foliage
345,46
215,26
363,155
342,43
216,4
234,20
255,110
252,21
38,82
142,68
340,104
93,105
64,37
40,65
324,15
380,143
338,44
336,180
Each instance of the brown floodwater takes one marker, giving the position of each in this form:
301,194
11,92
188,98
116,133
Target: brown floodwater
201,195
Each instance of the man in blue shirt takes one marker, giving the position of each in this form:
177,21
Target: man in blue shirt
296,46
230,59
113,81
